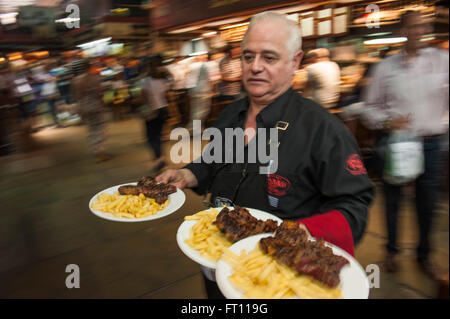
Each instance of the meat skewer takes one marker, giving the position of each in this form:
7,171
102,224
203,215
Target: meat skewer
239,223
150,188
291,246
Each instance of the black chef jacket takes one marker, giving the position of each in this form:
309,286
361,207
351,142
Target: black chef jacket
319,166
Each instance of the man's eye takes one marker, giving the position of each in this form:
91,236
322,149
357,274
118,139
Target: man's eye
270,59
248,58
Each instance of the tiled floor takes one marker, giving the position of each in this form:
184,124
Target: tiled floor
45,225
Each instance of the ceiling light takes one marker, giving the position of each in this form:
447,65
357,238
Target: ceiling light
67,20
234,26
187,29
120,11
8,18
198,53
209,34
385,41
93,43
428,39
379,34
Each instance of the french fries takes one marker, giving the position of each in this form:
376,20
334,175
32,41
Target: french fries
128,206
206,237
259,276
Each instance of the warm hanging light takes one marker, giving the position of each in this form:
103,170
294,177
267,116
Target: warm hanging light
89,44
209,34
386,41
234,26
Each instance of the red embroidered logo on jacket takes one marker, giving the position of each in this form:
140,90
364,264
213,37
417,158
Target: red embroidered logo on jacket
277,185
355,165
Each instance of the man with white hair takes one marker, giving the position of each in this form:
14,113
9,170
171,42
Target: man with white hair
321,182
324,77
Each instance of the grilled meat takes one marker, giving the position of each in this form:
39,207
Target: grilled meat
160,198
147,181
129,190
150,188
238,224
290,245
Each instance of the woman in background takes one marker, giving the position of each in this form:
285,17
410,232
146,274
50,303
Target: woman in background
154,109
88,93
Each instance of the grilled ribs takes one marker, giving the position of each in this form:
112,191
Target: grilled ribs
290,245
150,188
238,224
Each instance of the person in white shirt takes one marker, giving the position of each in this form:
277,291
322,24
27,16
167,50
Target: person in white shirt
409,91
178,70
199,84
324,77
230,88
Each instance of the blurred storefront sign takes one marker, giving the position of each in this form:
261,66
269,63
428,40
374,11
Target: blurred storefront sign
124,30
389,12
82,35
316,18
32,16
41,20
172,13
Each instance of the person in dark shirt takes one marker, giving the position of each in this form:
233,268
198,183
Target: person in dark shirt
320,180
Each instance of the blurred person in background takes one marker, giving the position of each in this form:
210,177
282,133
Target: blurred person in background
131,68
26,89
88,94
198,82
231,75
301,75
214,72
63,76
324,77
360,87
178,70
116,67
409,91
154,106
49,90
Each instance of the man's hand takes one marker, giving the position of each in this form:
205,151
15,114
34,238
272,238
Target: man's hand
181,178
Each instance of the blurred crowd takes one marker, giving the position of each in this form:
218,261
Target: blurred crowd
49,92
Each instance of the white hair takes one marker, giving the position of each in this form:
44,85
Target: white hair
294,43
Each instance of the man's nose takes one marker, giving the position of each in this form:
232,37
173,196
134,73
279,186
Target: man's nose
257,65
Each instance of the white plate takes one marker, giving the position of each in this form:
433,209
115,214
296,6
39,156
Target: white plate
176,201
184,232
354,282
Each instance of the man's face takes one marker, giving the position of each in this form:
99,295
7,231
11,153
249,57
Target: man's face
414,29
267,65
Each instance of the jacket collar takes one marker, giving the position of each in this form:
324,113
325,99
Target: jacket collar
271,114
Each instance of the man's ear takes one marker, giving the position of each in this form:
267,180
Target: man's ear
297,59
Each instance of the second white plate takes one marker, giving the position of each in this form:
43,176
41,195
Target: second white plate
354,281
